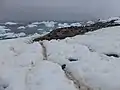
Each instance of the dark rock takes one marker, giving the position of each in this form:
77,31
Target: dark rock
72,59
62,33
113,55
63,66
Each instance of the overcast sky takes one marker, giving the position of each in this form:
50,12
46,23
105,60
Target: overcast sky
58,9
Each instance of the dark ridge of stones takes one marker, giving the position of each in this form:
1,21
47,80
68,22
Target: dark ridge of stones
62,33
113,55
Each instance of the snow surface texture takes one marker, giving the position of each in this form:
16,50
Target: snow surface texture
92,65
22,68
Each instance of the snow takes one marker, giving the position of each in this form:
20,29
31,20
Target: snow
40,29
49,76
102,20
21,27
36,23
22,68
31,25
13,35
10,23
49,23
61,25
21,34
15,59
3,29
7,35
114,18
117,19
75,24
90,22
93,69
34,35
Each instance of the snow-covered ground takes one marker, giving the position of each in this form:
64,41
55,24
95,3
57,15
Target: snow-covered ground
93,66
22,68
86,57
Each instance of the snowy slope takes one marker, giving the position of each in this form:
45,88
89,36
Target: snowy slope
92,66
22,68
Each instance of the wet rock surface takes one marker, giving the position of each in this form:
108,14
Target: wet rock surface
62,33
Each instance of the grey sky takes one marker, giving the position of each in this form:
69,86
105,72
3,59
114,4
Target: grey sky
58,9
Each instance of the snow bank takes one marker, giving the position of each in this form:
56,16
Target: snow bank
113,18
10,23
21,34
21,27
36,23
16,56
103,41
31,25
93,67
3,29
18,50
13,35
22,68
90,22
46,23
60,25
49,23
40,29
117,19
75,24
7,35
49,76
102,20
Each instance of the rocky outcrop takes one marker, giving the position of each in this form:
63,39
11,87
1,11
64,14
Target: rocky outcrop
62,33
